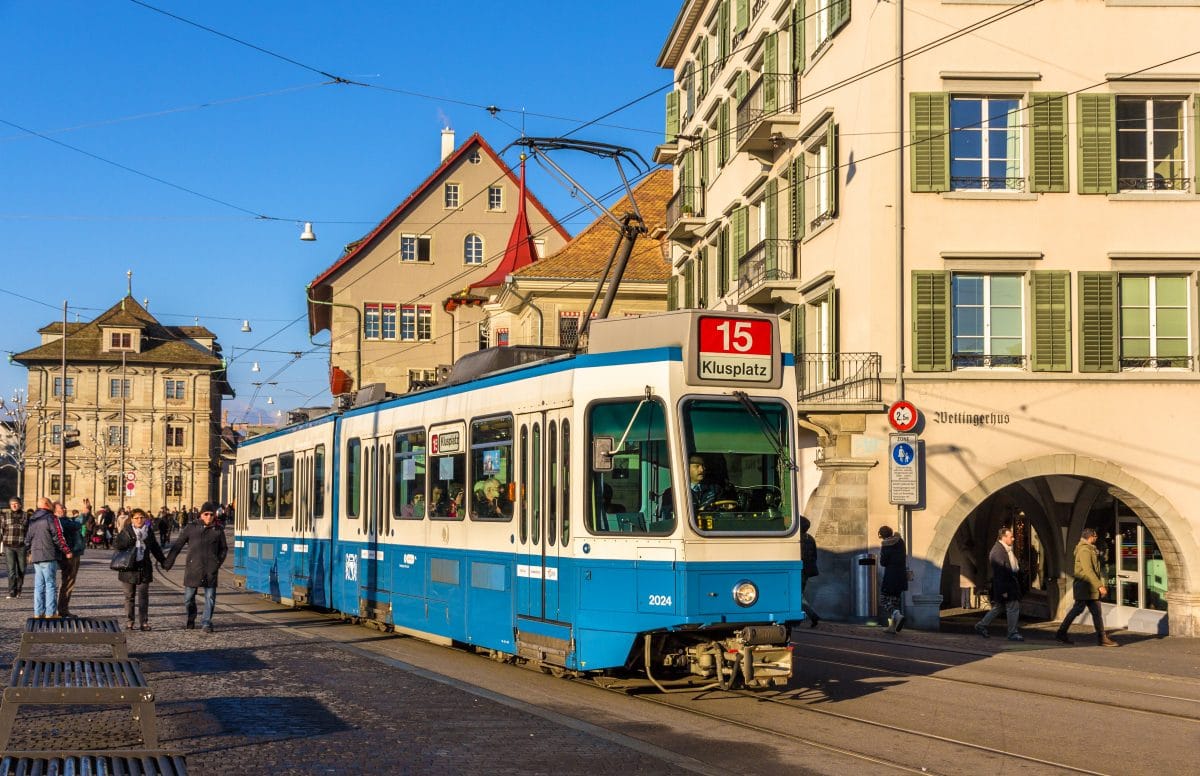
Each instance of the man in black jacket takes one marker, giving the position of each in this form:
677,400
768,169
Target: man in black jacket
1006,586
207,549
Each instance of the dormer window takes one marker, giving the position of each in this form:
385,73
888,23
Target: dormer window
120,340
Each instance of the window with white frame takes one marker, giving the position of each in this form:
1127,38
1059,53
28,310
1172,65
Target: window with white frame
118,436
451,195
474,157
1151,143
58,386
823,342
989,326
495,197
388,318
1154,321
174,436
371,312
985,143
119,389
473,249
120,340
56,432
175,390
416,322
414,247
818,180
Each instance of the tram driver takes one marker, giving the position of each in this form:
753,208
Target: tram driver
707,493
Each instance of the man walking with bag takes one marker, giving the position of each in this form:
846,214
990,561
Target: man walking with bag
207,548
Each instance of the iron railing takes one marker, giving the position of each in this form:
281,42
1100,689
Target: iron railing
768,261
994,183
838,378
1157,183
1157,362
770,95
979,360
688,201
757,8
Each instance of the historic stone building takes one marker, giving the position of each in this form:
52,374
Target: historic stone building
143,407
999,231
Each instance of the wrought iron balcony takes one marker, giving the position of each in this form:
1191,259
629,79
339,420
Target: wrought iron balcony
766,112
980,361
685,214
1159,362
838,378
766,266
757,8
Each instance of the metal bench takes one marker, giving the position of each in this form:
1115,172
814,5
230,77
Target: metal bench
126,763
73,630
94,681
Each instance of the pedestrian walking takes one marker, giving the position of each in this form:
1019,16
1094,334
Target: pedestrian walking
107,523
72,533
1006,587
808,569
1089,588
894,559
139,537
206,544
44,541
12,533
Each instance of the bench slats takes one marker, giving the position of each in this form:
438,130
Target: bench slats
150,763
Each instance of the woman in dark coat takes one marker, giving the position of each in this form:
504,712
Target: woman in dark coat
136,581
894,560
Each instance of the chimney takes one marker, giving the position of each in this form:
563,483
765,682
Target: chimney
447,142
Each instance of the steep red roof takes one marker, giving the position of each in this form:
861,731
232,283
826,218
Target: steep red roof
520,251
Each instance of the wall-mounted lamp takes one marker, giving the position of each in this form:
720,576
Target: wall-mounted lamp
307,235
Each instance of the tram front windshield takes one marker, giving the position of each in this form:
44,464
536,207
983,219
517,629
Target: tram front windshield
740,465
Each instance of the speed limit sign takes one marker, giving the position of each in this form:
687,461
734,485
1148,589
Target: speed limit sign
903,416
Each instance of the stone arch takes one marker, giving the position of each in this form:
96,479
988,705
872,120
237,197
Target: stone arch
1169,528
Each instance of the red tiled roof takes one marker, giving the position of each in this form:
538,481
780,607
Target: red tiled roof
520,251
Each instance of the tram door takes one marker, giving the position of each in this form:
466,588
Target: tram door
301,580
543,441
374,596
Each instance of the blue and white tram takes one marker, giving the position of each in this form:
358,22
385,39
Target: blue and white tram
632,508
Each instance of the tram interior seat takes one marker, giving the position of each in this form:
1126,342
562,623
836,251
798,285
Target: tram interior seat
628,522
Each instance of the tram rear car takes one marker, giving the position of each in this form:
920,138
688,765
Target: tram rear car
628,509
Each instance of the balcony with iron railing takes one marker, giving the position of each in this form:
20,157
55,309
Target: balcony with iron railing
766,116
838,378
767,269
685,214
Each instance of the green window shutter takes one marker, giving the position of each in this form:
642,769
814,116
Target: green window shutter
796,206
723,273
772,205
723,134
831,138
1048,142
1097,144
835,329
723,32
931,321
673,292
1098,328
770,84
731,256
685,176
705,150
741,86
840,16
798,344
1051,299
741,220
704,74
672,116
797,36
702,278
930,153
688,280
743,16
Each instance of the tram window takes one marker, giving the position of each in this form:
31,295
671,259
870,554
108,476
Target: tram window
535,487
408,474
747,483
492,468
270,487
319,482
627,499
524,531
566,481
446,493
552,482
353,476
287,483
256,489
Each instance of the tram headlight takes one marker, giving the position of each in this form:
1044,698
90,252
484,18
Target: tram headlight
745,593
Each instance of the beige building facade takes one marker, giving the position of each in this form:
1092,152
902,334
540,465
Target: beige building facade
381,301
998,234
143,404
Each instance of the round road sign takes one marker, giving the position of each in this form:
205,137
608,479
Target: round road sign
903,416
129,486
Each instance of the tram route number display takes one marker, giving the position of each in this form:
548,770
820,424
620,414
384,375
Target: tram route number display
736,350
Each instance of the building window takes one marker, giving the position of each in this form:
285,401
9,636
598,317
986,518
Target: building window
371,320
113,485
54,485
1150,144
422,378
474,157
830,17
176,390
985,143
568,329
820,178
495,197
415,247
416,322
988,320
473,249
56,432
174,436
501,338
451,191
58,386
118,389
118,436
174,485
388,314
1154,321
484,337
120,340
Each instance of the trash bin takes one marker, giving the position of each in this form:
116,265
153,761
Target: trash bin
864,587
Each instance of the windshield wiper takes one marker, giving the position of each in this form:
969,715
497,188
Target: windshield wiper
768,432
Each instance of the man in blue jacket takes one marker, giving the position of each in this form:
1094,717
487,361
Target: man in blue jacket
43,541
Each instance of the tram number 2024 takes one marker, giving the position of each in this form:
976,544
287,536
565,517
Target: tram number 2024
660,600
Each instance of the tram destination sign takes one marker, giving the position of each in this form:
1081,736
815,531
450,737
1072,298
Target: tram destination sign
736,350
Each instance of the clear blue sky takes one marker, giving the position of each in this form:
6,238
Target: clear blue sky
130,85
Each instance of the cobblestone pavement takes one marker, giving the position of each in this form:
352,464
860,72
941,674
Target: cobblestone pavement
255,698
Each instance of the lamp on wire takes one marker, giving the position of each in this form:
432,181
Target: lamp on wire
270,400
246,326
256,367
307,235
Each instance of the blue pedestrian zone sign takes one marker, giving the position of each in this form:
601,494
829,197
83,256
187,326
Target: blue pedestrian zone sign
903,454
904,469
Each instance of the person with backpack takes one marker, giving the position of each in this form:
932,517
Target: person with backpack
808,570
44,541
72,533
